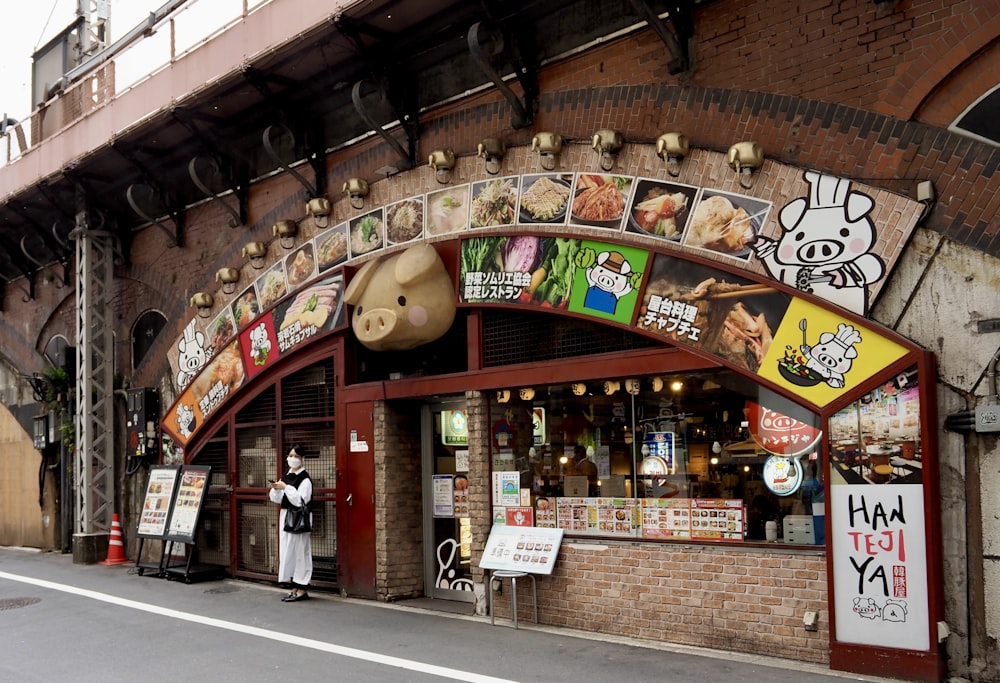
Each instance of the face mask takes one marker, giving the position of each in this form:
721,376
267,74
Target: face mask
294,463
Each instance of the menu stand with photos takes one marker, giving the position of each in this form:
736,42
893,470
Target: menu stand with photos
155,514
516,552
182,526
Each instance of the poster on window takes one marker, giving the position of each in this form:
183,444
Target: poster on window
880,566
444,502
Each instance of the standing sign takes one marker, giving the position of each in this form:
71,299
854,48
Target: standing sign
156,506
518,548
183,520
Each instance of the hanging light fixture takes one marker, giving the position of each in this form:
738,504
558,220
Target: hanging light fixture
203,301
356,189
672,148
746,158
548,146
608,143
442,161
492,151
256,253
285,231
228,277
319,208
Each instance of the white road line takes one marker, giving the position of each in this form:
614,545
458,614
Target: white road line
376,658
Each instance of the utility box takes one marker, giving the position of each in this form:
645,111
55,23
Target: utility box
988,418
143,407
799,529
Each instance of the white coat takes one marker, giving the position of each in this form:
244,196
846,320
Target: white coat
294,550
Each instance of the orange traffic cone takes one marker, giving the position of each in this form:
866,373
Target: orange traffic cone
116,548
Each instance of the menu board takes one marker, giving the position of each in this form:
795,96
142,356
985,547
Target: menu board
188,501
717,518
600,516
156,506
666,518
518,548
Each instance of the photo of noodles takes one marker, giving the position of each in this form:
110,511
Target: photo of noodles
493,202
447,210
300,265
271,286
366,233
246,308
331,246
720,225
599,200
404,221
545,200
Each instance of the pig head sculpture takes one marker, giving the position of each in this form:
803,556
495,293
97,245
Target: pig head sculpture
402,301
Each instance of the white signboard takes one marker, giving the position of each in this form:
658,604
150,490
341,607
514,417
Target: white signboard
880,565
444,500
507,489
525,549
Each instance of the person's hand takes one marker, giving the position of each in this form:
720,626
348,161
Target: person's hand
279,485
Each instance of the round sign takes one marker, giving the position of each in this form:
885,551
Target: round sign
780,434
782,475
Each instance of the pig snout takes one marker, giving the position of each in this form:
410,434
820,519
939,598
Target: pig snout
376,324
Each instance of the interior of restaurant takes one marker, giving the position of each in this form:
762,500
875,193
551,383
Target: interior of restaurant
668,437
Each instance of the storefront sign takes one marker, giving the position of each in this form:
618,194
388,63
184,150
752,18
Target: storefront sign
188,501
156,505
526,549
780,434
538,426
879,565
717,519
782,475
454,428
520,516
666,518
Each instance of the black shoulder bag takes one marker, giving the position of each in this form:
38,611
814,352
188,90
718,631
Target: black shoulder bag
297,520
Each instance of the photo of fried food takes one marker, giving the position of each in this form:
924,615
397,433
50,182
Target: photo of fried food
720,226
545,200
331,247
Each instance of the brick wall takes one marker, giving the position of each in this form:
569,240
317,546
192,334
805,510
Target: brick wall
399,550
727,598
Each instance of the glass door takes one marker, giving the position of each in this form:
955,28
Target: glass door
447,532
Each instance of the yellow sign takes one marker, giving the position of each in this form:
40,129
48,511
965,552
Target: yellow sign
820,355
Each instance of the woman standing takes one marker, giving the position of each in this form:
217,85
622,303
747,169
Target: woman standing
294,550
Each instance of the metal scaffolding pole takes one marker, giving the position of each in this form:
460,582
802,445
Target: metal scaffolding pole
94,457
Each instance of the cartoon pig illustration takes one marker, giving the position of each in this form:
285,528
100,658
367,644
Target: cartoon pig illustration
824,249
834,355
402,301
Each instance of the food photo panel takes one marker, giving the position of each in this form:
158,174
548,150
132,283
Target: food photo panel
300,265
599,200
271,286
726,223
222,329
331,247
545,199
447,210
494,202
404,221
660,208
366,233
722,314
246,307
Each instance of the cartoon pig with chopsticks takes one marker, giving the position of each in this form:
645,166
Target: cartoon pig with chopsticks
824,249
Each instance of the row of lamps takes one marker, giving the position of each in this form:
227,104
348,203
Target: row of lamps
631,385
744,157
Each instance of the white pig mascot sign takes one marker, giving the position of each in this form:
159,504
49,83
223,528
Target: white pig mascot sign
402,301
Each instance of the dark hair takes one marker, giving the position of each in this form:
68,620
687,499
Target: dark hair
297,447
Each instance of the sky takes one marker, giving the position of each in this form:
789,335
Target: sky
38,21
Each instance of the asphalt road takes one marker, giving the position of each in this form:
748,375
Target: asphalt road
66,622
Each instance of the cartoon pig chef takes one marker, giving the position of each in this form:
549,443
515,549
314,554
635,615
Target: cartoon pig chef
824,249
833,357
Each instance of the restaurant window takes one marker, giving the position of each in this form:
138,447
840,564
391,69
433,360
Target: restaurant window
876,439
697,456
